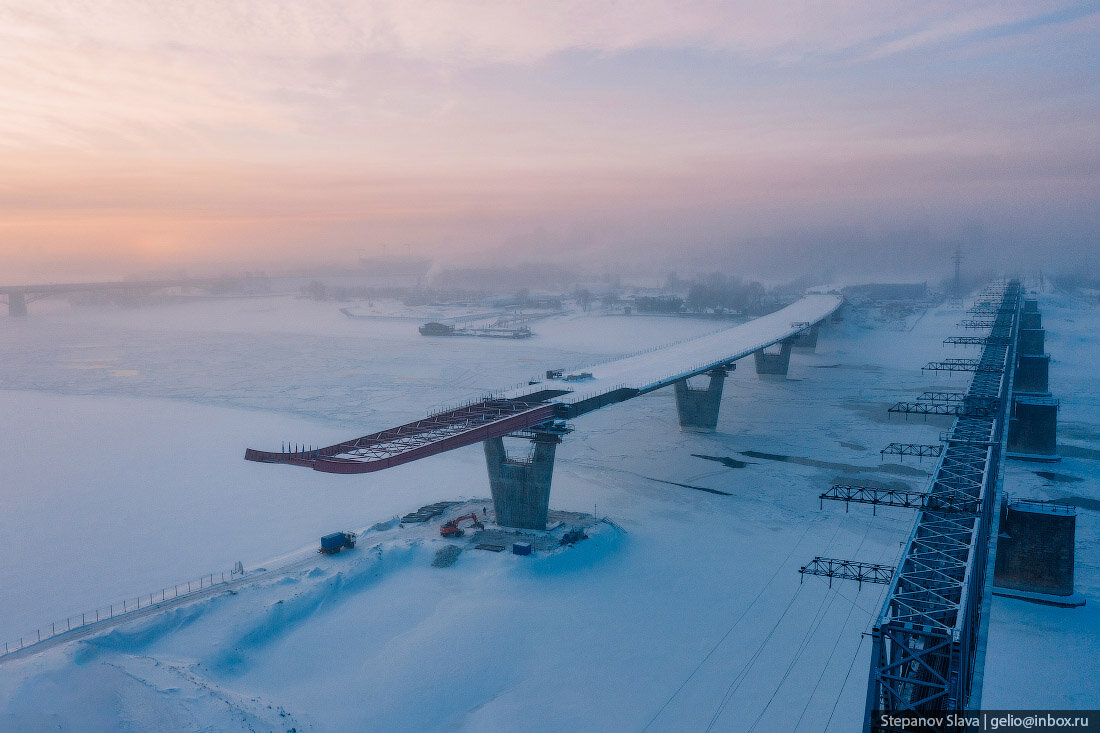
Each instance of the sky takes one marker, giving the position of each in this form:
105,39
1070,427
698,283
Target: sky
756,138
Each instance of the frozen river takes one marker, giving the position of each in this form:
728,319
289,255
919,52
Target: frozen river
124,463
124,472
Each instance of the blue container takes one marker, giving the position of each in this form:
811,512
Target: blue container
332,543
521,548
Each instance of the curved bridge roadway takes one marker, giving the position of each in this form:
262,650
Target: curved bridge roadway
538,406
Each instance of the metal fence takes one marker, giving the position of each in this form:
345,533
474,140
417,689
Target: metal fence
122,608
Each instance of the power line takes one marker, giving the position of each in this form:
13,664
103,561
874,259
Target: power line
957,259
743,672
872,615
844,684
840,635
815,624
729,631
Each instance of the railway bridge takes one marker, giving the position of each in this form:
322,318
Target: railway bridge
928,642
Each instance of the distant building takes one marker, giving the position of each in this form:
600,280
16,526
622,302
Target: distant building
888,291
659,304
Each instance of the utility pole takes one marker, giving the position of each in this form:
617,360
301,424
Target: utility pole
958,276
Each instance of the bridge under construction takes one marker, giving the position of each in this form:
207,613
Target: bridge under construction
538,411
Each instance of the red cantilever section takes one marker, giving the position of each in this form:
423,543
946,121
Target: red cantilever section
434,434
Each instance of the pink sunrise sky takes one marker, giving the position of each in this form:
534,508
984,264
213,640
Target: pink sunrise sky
215,136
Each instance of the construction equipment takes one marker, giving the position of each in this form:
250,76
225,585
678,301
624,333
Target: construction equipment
573,536
333,543
451,528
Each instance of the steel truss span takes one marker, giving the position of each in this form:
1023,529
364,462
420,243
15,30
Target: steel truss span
944,501
926,640
870,495
912,449
444,431
967,408
864,572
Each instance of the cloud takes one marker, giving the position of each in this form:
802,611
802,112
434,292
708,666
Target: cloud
216,127
239,77
507,31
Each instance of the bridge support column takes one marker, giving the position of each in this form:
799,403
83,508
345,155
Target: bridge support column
521,487
1032,374
1031,342
1031,319
1035,552
774,364
17,304
1033,429
698,408
807,339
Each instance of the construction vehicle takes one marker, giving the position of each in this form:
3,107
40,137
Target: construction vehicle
451,528
573,536
333,543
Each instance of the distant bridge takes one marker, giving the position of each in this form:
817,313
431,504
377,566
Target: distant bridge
521,488
18,296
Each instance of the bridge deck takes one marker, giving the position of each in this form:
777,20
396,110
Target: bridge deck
661,367
558,398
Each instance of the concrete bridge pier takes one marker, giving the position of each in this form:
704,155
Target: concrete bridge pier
807,339
1033,423
17,304
521,487
1032,374
1033,428
1032,342
768,363
698,408
1035,553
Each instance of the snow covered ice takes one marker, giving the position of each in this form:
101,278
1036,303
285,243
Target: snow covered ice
124,470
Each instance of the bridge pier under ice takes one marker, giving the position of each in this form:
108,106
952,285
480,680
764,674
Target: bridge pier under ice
17,304
521,487
768,363
698,408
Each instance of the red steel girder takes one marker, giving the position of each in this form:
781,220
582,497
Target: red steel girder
427,437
